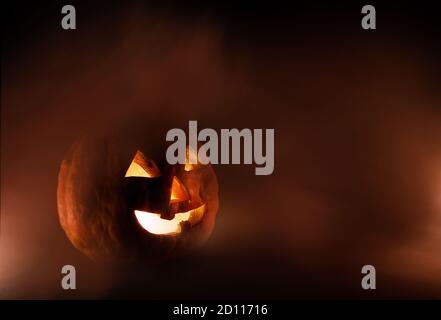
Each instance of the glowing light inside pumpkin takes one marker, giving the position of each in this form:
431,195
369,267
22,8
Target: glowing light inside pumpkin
191,159
153,223
178,192
135,170
142,167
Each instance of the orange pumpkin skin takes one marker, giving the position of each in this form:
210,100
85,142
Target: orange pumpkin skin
96,202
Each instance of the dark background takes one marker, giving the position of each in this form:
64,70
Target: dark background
357,116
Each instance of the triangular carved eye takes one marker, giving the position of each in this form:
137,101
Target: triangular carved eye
178,191
141,166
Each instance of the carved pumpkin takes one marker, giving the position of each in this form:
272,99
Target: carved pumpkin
119,198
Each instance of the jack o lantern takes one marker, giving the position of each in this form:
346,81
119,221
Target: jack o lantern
119,198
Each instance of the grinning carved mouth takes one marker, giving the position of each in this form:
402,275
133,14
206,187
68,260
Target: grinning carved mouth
153,223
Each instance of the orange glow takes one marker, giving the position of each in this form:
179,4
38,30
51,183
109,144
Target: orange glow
153,223
178,192
191,159
142,167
